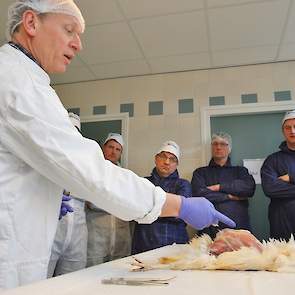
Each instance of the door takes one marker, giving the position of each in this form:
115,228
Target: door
254,136
99,130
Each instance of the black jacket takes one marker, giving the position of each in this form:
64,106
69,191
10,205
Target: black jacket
281,211
234,180
165,230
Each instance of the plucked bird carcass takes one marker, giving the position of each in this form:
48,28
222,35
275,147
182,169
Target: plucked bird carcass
230,250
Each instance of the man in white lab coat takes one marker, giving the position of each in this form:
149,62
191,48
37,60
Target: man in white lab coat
41,152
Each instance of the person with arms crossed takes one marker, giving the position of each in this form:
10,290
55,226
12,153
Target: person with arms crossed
227,187
278,183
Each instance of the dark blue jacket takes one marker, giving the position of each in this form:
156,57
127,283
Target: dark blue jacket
281,210
165,230
233,180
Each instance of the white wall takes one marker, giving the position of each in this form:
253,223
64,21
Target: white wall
146,133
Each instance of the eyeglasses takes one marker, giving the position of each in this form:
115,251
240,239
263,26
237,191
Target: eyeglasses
222,144
171,159
289,127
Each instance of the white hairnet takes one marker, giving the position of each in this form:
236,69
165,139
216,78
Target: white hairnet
170,147
289,115
115,136
16,10
222,136
75,119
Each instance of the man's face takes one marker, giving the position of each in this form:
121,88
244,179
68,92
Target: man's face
289,132
166,163
56,41
112,151
220,149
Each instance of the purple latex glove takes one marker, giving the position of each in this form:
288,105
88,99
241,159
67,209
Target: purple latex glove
200,213
65,208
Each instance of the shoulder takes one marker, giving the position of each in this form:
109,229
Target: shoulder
150,178
10,68
19,76
15,64
242,172
274,156
201,169
273,161
240,168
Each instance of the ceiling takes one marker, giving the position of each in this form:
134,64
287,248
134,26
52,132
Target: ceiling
139,37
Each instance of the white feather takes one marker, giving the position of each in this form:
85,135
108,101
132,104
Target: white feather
276,256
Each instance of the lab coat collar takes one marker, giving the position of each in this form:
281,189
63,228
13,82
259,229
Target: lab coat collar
39,74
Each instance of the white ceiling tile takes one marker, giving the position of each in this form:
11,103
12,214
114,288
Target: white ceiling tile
180,63
244,56
99,11
287,52
218,3
73,74
143,8
247,25
109,43
172,35
289,36
121,69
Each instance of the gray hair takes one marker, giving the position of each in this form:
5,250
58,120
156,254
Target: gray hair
17,9
222,136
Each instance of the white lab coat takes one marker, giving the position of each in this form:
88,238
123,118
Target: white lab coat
69,250
40,154
109,237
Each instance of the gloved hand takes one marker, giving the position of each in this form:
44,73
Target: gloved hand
65,208
200,213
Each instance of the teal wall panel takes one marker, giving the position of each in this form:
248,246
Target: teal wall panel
99,110
127,108
282,95
185,105
155,108
216,100
249,98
